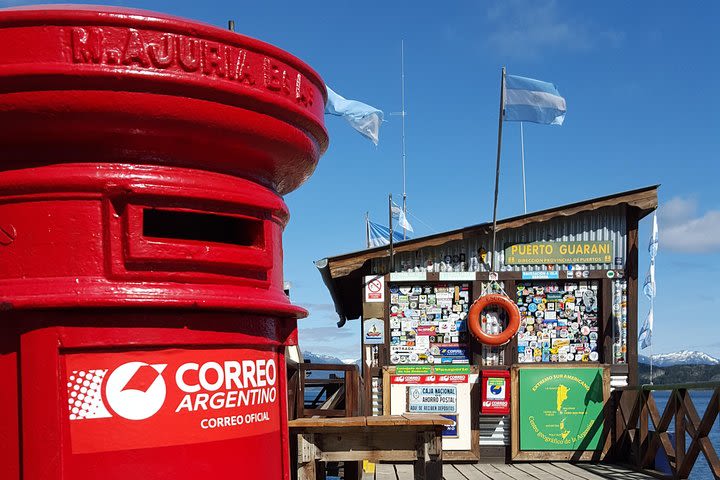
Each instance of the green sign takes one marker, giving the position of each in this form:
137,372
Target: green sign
413,370
452,369
560,409
547,253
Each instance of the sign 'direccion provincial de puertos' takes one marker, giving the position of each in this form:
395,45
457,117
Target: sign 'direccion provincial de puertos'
544,253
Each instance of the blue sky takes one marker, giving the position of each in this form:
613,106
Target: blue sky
640,79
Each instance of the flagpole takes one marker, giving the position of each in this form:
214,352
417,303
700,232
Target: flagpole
392,252
652,309
402,99
522,157
497,168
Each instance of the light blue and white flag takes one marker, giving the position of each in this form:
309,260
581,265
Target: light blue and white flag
654,240
649,289
399,215
645,335
649,285
362,117
529,100
380,235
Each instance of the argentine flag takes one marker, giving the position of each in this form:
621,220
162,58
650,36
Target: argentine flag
399,215
529,100
649,289
379,235
361,116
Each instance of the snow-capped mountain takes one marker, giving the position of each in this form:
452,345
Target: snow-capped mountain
685,357
321,358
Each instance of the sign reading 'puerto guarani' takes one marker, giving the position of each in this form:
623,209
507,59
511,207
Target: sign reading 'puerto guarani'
543,253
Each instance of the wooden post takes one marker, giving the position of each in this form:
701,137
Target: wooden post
679,397
352,392
631,270
292,390
386,390
514,411
419,466
643,433
434,448
428,464
606,322
300,399
473,344
510,353
306,457
364,368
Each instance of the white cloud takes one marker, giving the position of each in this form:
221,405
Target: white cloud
528,28
682,229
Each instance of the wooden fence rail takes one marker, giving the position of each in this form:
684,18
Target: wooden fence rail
335,395
635,442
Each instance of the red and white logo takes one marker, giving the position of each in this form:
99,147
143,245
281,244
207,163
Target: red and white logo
144,399
136,390
428,379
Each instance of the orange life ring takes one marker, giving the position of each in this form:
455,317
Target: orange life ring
499,301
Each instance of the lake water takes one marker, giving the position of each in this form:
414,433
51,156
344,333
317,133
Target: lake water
700,398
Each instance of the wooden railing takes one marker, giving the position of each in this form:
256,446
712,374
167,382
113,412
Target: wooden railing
334,394
635,442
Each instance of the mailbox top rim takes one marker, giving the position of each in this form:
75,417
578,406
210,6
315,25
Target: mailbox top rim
122,16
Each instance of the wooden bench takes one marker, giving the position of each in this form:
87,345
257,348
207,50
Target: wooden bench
394,438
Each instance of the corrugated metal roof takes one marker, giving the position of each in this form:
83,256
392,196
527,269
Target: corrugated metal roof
607,224
598,219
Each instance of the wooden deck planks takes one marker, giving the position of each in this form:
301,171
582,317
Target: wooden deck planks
613,472
404,471
385,471
451,472
516,471
499,472
534,471
469,471
576,472
557,472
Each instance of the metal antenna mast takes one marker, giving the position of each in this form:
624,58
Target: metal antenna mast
402,114
402,95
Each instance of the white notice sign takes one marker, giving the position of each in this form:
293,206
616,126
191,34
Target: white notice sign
374,288
432,399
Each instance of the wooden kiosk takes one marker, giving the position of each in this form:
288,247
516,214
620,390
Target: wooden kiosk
573,273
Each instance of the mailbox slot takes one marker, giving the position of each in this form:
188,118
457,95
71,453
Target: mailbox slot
202,227
160,237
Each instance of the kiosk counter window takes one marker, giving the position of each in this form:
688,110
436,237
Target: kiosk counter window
559,321
428,324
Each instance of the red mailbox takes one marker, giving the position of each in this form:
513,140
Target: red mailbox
495,392
144,322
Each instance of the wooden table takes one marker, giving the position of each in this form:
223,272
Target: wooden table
394,438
